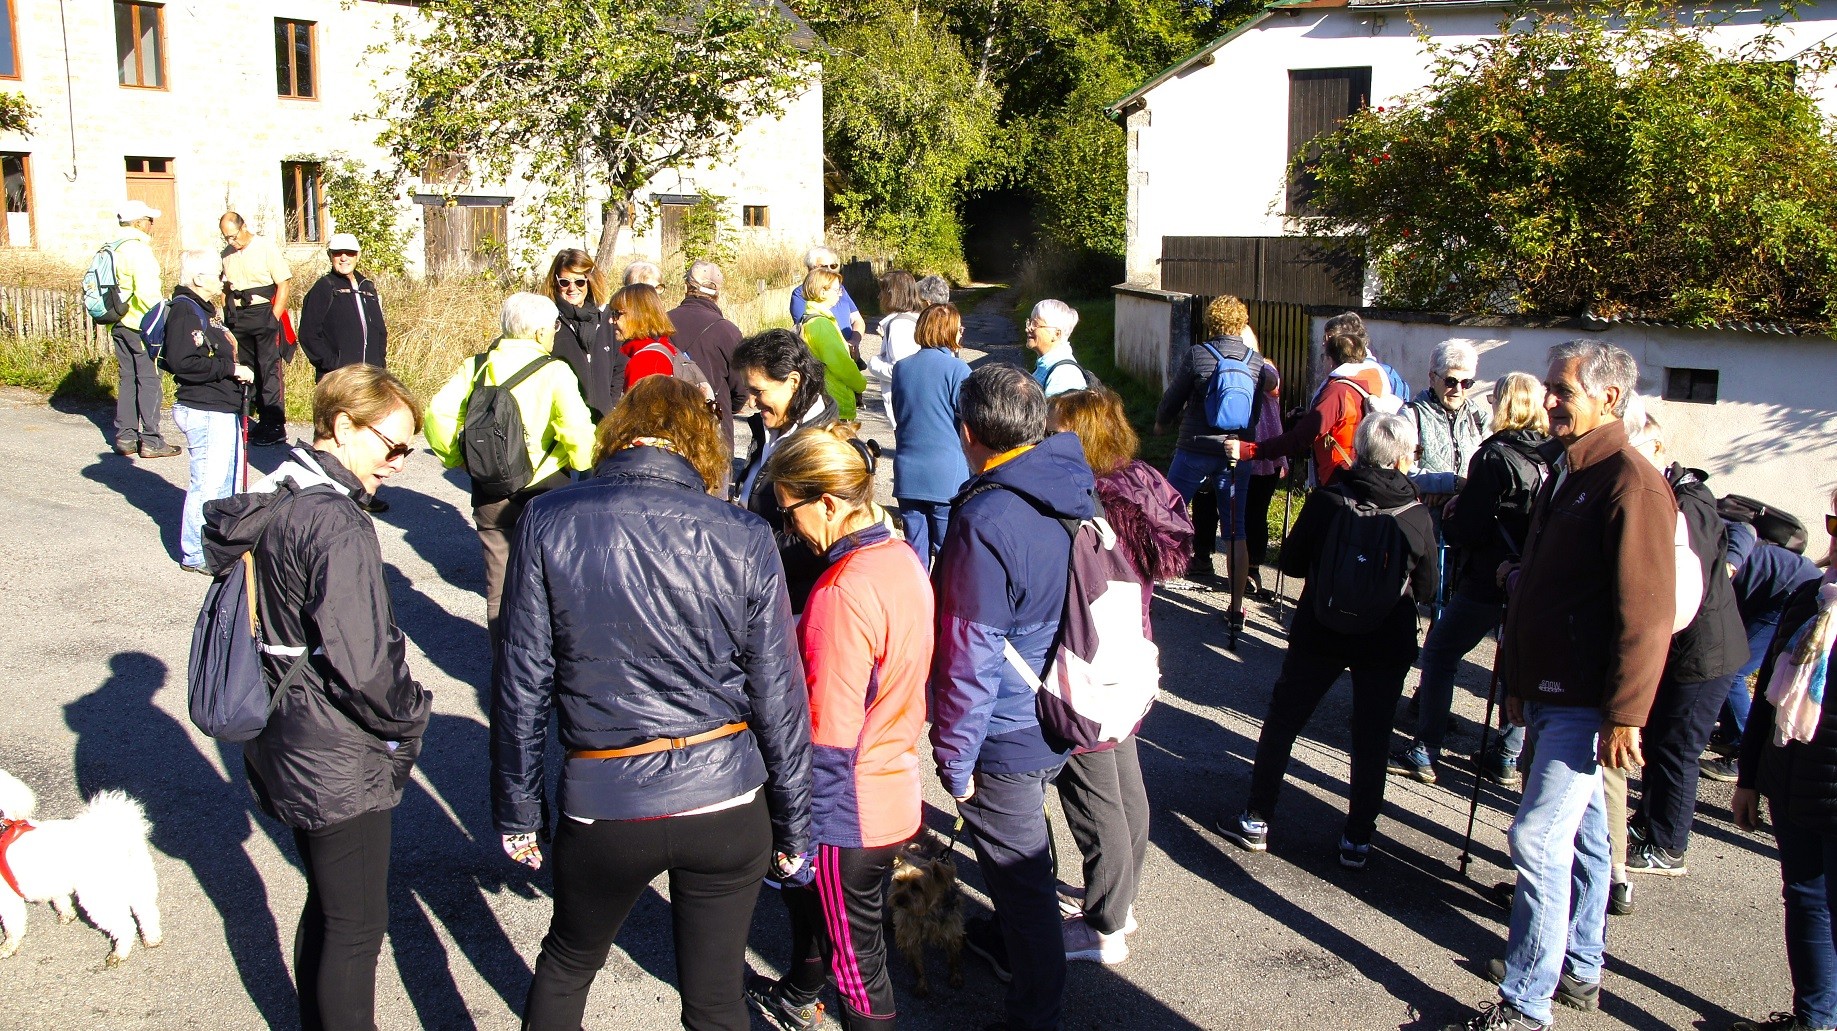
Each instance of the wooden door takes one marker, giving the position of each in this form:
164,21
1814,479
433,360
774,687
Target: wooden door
464,238
671,221
153,182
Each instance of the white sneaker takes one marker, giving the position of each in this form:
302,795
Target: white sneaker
1129,924
1084,943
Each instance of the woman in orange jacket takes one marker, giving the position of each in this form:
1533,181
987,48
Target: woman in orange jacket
866,635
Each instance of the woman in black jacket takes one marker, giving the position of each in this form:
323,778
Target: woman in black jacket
585,337
785,381
347,725
1487,526
1798,778
1341,532
653,617
201,355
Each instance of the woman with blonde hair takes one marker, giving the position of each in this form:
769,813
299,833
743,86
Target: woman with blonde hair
866,634
1106,803
1488,523
651,618
584,336
843,378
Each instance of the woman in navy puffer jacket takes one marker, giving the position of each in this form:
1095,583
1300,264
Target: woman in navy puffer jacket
654,617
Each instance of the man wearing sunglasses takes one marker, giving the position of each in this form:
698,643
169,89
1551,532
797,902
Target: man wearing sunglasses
341,322
848,315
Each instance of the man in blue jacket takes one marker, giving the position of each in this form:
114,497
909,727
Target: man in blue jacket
1000,581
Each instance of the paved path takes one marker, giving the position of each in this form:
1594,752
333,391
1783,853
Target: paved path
92,659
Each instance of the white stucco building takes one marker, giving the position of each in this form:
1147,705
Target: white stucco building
235,104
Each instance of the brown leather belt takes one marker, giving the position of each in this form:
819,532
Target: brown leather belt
661,744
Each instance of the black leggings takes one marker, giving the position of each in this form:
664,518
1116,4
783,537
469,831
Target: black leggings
341,929
1256,521
839,918
715,861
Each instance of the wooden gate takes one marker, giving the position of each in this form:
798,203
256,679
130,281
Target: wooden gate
465,234
1297,269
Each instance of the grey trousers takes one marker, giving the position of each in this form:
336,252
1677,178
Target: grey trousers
496,522
137,396
1106,807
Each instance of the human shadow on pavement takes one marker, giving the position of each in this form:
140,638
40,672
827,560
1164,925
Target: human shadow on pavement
460,647
157,497
199,816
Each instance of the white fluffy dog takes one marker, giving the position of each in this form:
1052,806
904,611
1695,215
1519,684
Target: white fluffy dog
99,859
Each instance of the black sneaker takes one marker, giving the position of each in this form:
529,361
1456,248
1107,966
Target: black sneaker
983,938
1650,858
1620,899
1500,768
1353,857
1638,833
1723,771
769,999
1775,1022
1246,830
1572,992
1497,1016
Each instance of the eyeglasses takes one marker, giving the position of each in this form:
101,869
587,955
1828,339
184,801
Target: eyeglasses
1450,382
343,254
564,282
785,510
1830,524
396,451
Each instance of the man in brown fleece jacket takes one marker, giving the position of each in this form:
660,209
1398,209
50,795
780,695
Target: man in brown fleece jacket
1587,629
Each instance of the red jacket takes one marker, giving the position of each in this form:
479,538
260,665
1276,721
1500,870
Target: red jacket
660,360
1329,426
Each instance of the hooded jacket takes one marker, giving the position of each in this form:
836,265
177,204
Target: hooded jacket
589,342
201,355
1487,534
1186,395
1394,641
341,323
343,739
642,607
1150,520
1715,644
1000,579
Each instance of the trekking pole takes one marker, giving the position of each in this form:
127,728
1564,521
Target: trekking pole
242,436
1288,505
1473,805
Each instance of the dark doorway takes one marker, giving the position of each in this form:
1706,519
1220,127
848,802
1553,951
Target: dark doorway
998,226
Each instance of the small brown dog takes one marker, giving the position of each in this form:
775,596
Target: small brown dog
927,906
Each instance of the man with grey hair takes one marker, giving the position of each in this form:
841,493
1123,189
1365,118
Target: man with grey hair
642,271
1049,335
934,289
1000,578
846,311
1366,549
137,391
710,338
1587,630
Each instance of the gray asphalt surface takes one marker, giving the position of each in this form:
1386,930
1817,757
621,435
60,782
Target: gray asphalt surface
92,661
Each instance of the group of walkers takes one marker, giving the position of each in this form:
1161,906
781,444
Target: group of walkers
743,662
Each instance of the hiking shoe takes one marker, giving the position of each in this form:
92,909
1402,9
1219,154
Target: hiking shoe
1500,768
1572,992
126,448
1775,1022
983,938
1414,762
1721,770
1620,899
769,998
1497,1016
1353,857
1086,944
162,451
1650,858
1246,830
189,568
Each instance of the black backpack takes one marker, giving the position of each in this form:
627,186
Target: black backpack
1091,382
1770,524
491,438
1513,514
1363,566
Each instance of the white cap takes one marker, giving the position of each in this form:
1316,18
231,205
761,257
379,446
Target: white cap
343,242
134,211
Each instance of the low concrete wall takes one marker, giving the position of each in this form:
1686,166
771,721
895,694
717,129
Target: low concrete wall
1771,434
1148,323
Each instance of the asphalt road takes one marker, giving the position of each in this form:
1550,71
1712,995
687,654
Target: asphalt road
92,659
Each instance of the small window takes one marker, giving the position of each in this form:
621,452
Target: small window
17,229
158,168
755,216
294,58
9,42
140,44
302,201
1697,386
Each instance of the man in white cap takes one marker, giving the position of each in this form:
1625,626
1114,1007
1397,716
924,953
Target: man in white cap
341,322
137,394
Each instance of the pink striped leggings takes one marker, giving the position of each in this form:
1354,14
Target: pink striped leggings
838,918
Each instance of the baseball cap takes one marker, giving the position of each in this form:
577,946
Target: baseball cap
343,242
133,211
705,277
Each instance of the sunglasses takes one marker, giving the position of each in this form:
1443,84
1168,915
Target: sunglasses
785,510
1450,382
396,451
564,282
831,266
343,254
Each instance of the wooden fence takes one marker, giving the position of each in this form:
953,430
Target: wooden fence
39,313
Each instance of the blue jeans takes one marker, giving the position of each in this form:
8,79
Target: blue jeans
1463,623
924,523
1191,470
1560,850
1808,861
1734,718
212,438
1007,819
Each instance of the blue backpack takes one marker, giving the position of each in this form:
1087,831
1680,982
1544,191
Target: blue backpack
102,297
153,325
1231,393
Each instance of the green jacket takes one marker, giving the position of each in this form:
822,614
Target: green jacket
137,270
556,422
840,373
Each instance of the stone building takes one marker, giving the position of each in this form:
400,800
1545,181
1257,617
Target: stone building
237,104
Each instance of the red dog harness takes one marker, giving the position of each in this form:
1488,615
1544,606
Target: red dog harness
10,831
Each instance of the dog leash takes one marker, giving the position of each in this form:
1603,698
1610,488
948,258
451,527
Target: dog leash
955,829
11,831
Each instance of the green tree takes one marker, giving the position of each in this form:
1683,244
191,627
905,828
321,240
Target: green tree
362,202
604,93
1617,163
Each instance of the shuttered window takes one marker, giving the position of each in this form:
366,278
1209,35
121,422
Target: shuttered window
1318,100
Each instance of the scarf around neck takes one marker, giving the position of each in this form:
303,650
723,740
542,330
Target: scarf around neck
1797,687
